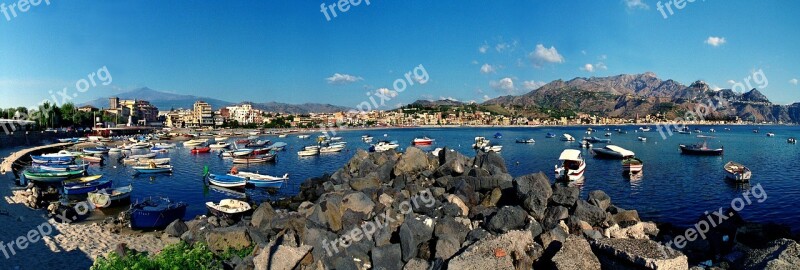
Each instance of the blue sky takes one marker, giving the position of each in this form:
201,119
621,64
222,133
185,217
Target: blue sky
287,51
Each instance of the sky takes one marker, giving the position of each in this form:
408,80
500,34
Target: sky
292,52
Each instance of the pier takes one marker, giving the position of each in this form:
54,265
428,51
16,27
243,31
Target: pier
8,162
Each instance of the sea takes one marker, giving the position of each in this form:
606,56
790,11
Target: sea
673,187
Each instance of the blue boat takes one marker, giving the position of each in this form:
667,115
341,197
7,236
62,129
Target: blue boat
551,135
60,167
84,188
275,184
155,169
52,160
228,181
96,150
278,146
156,213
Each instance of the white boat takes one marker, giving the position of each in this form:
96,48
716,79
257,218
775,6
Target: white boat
336,138
282,136
737,172
567,138
229,209
770,134
63,153
632,165
264,177
195,142
608,134
384,146
165,145
493,148
644,129
253,133
331,149
308,152
221,138
146,161
220,145
572,165
148,155
642,139
613,151
586,144
480,143
303,136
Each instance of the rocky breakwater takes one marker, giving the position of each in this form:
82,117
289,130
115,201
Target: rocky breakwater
418,211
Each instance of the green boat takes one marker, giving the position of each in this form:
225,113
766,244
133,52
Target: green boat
50,176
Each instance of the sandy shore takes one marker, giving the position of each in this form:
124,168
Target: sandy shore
69,246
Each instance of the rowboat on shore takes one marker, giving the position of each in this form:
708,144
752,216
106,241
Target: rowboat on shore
103,198
227,181
737,172
86,187
229,209
156,213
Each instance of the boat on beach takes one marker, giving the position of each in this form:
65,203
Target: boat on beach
156,213
229,209
572,166
103,198
737,172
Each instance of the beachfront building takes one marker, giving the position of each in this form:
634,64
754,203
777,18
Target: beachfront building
243,113
141,111
203,115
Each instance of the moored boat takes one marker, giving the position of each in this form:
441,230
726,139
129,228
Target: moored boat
253,159
219,145
422,141
107,197
550,135
199,150
308,152
156,213
52,159
86,187
643,139
701,149
737,172
92,159
613,151
596,140
529,140
153,169
50,177
383,146
60,167
227,180
572,165
632,165
792,140
266,181
567,138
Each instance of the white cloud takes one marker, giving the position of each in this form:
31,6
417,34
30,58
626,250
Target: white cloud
483,48
486,97
343,79
731,82
532,85
588,68
505,85
715,41
600,65
500,47
793,81
543,54
636,4
486,69
447,98
386,92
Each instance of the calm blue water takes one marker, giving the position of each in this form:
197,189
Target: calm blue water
674,188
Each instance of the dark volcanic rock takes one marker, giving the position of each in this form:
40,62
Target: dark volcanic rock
534,191
590,213
495,252
412,161
564,195
414,232
371,180
223,239
176,228
780,254
553,215
599,198
626,218
642,253
508,218
387,257
262,217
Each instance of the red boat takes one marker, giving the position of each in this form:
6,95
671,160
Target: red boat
261,151
201,150
243,142
422,141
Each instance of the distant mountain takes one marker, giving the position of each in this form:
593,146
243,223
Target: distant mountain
163,100
304,108
166,101
631,95
436,103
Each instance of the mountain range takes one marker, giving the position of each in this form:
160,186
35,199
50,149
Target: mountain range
631,95
166,101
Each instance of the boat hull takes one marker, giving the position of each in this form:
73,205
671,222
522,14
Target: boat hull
709,152
156,218
87,187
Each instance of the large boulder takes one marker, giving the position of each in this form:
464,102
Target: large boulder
328,212
449,235
641,230
262,217
495,252
387,257
626,218
590,213
358,202
642,253
412,161
600,199
414,232
371,180
491,162
554,215
779,254
223,239
508,218
565,195
279,257
533,190
575,253
464,209
176,228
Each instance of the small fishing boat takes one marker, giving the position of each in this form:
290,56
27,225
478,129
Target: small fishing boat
282,135
92,159
756,131
422,141
165,145
498,135
52,159
229,209
153,169
303,136
156,213
219,145
613,151
480,143
336,139
60,167
48,176
114,150
278,146
220,138
86,187
792,141
253,159
526,140
701,149
712,130
81,180
737,172
383,146
157,149
632,165
266,181
201,150
96,150
596,140
642,139
196,142
227,180
308,152
148,155
146,161
493,148
644,129
63,153
567,138
331,149
103,198
608,134
550,135
572,165
256,144
770,134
